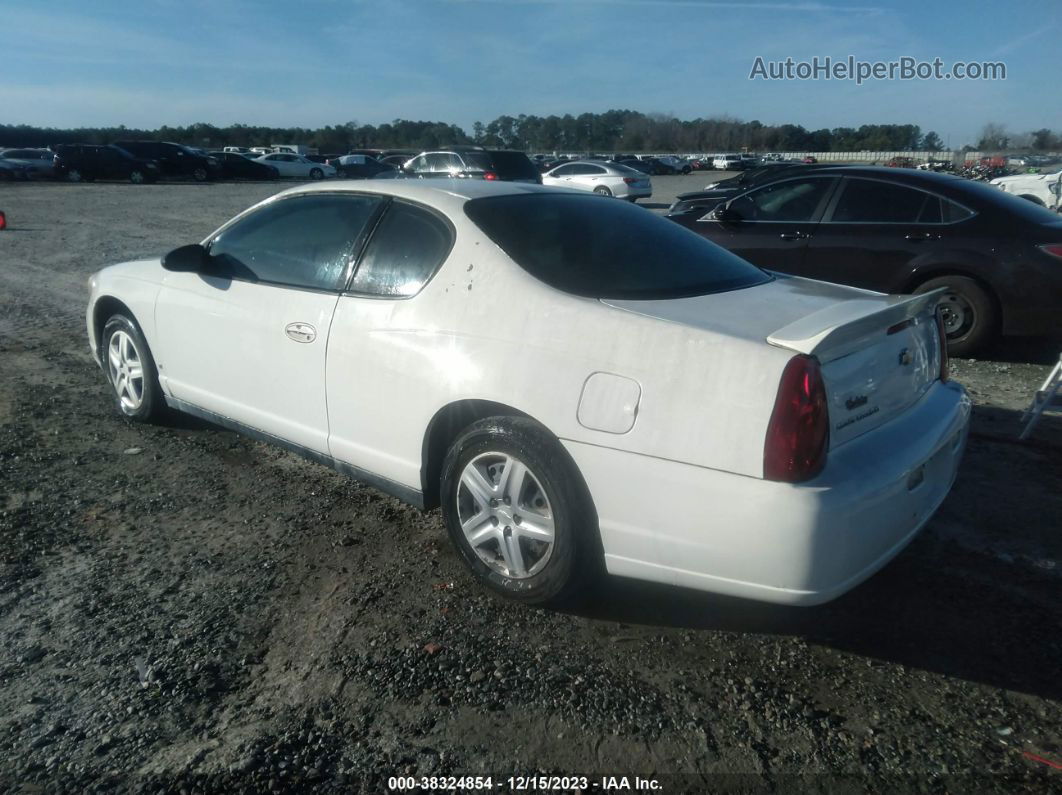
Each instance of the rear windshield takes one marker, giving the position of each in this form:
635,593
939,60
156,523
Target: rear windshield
513,165
1023,208
602,248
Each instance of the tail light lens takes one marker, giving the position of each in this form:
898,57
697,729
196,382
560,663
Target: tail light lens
799,431
630,180
489,175
3,221
1055,250
943,335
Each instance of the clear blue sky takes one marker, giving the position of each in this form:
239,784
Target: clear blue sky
146,63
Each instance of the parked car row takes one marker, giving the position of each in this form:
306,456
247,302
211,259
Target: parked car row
998,257
663,370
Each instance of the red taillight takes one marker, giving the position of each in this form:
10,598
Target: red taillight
1055,250
489,175
799,431
630,180
3,220
943,335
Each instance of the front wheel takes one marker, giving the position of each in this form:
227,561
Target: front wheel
200,175
316,173
136,176
968,311
73,175
517,511
131,370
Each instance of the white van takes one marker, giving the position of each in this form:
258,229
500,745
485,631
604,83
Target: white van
727,162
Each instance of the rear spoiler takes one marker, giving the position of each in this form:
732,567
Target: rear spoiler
842,328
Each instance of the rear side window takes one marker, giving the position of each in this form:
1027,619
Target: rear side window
301,242
607,249
872,202
478,161
407,247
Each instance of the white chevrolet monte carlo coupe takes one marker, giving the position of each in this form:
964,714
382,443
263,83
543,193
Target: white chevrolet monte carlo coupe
571,378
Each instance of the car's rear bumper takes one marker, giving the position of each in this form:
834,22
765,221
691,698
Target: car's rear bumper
794,544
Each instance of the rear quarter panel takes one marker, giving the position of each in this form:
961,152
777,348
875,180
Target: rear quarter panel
484,329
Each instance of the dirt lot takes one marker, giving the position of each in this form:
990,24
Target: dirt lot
185,610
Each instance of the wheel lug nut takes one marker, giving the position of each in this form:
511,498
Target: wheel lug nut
507,501
494,520
493,503
517,519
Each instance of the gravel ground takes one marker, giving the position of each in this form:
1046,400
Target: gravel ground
184,610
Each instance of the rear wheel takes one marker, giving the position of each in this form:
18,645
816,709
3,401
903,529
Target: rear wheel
969,313
199,174
517,512
316,173
136,176
601,190
130,370
73,175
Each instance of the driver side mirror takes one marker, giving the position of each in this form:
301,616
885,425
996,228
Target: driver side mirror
187,259
725,215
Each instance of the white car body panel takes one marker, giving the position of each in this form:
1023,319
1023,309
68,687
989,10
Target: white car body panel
663,405
1044,187
640,189
209,330
293,165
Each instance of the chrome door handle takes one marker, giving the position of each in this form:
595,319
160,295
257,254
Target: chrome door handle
793,236
301,332
921,236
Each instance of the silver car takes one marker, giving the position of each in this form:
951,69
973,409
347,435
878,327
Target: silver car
606,179
37,162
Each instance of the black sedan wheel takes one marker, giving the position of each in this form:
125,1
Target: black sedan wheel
969,313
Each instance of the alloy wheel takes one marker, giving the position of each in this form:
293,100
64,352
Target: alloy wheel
126,370
505,515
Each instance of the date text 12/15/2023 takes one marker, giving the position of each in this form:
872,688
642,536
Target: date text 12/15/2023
534,783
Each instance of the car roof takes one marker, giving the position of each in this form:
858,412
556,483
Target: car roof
440,192
927,179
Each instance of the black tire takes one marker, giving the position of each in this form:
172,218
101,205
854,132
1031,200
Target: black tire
200,175
152,405
575,557
601,190
632,199
971,316
316,173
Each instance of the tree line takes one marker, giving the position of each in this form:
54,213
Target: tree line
612,131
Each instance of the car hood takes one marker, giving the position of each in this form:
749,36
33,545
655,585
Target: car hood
147,270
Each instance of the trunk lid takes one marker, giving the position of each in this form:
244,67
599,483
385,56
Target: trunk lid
878,356
879,353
